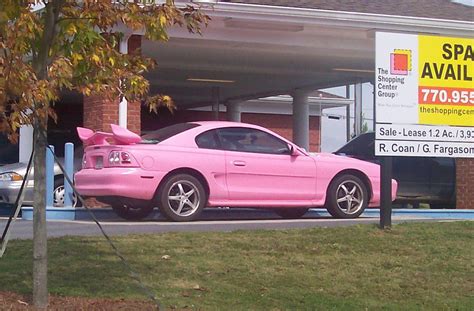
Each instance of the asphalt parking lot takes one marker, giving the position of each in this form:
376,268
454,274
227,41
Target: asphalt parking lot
212,220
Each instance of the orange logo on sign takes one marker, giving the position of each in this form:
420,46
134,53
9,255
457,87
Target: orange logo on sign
400,62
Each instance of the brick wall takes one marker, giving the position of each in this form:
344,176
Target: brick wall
464,183
134,44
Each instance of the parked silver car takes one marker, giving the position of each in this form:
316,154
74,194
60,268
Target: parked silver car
11,178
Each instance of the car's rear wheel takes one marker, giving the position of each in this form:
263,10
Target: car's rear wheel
182,198
291,213
130,210
347,197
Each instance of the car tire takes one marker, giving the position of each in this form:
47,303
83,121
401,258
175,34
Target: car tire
291,213
132,210
182,198
59,193
347,197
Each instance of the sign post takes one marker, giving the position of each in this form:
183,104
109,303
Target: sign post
386,193
424,97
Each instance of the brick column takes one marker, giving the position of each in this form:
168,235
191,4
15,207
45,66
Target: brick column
134,108
464,183
100,112
134,121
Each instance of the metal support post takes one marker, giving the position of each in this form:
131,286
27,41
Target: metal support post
358,108
234,112
386,193
301,118
215,103
348,114
49,176
69,171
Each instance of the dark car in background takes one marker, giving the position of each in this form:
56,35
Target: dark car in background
8,151
420,179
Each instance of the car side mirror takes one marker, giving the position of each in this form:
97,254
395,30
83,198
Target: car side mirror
293,150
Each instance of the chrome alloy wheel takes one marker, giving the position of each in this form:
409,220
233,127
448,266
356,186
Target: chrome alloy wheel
349,197
183,198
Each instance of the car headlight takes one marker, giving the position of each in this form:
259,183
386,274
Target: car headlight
11,176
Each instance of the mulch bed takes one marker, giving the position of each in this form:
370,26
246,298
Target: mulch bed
13,301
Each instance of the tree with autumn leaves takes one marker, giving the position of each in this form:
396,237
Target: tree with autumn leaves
51,46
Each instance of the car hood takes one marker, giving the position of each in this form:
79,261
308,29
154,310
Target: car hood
345,160
333,156
19,168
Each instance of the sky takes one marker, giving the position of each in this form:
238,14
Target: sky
334,131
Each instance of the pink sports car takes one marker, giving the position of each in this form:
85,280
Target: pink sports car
185,167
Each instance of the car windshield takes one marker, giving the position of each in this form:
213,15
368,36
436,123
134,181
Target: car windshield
361,146
160,135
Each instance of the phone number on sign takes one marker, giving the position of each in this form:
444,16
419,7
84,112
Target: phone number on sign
445,96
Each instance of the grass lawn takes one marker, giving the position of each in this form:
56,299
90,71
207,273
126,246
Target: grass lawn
424,266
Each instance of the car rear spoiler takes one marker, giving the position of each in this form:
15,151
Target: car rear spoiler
119,136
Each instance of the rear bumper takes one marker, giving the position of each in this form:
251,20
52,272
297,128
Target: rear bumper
124,182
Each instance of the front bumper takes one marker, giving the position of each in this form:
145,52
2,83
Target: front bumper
375,200
9,191
124,182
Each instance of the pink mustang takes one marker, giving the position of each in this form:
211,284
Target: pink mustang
185,167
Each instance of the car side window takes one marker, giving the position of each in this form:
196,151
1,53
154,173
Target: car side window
251,140
208,140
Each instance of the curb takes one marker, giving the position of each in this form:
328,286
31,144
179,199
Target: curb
237,213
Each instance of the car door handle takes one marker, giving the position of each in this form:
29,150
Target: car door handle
239,163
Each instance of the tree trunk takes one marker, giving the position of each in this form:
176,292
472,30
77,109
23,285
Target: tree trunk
40,238
40,251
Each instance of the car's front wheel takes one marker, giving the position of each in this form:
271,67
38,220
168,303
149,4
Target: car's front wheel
182,198
347,197
59,194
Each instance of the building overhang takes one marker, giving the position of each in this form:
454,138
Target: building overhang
254,51
282,105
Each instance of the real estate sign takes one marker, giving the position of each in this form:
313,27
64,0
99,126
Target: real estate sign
424,95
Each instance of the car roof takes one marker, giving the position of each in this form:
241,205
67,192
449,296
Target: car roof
224,124
206,125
